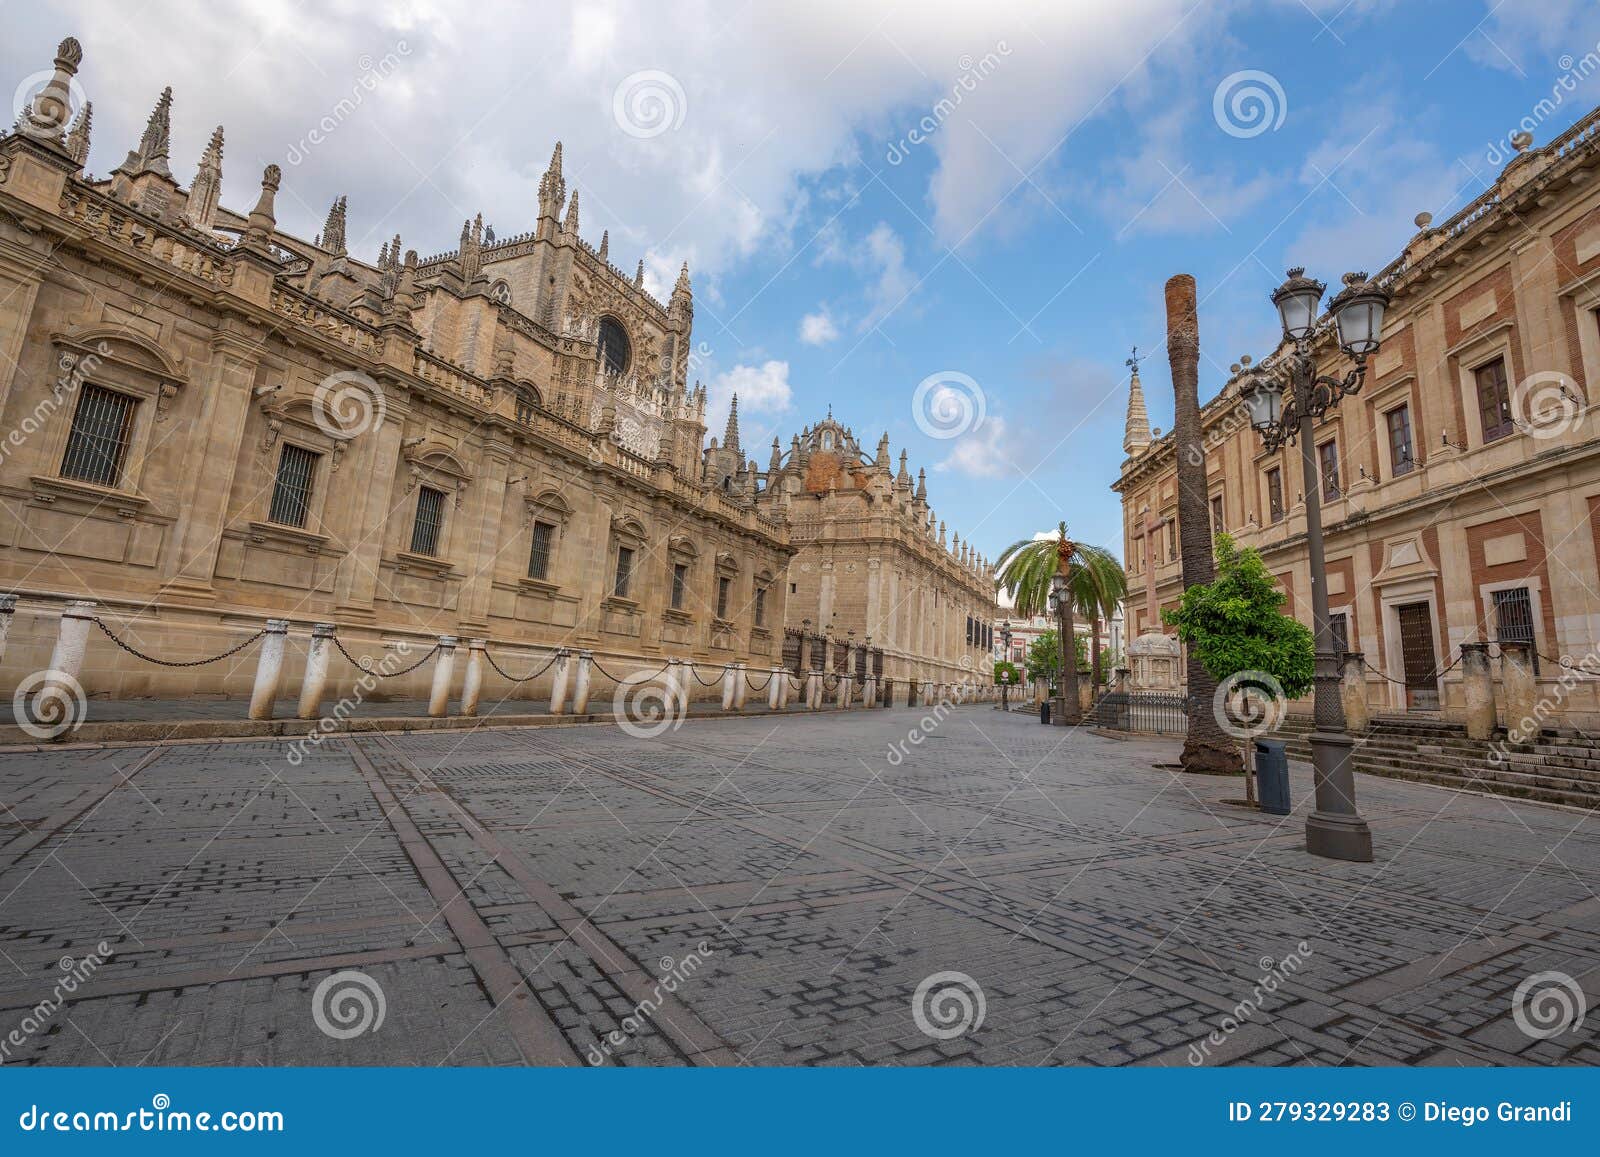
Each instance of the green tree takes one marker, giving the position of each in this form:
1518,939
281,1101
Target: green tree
1007,673
1044,657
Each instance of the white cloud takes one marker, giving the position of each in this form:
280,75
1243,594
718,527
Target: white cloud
818,328
764,397
983,452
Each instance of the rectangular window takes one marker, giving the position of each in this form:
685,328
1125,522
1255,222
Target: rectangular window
969,630
761,606
1401,458
544,534
1494,400
1217,524
724,585
1172,538
624,576
1513,614
98,441
1328,462
680,582
291,490
430,519
1339,628
1275,495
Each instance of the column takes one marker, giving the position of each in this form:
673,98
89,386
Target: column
369,501
580,697
1477,683
444,668
558,691
1516,678
314,683
269,669
472,684
484,520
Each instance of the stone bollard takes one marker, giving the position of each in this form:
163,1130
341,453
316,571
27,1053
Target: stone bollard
741,686
813,690
1353,692
269,669
1477,684
677,688
472,684
775,686
869,692
563,680
1516,679
729,672
8,608
315,682
72,639
580,695
444,670
846,682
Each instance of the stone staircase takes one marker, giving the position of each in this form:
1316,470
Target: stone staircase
1559,767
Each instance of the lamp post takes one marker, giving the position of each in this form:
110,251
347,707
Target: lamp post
1005,679
1335,829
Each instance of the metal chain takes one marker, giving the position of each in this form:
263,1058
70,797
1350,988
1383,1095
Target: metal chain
525,678
827,686
368,668
134,651
595,663
752,683
701,681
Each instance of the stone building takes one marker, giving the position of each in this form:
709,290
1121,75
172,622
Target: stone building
210,422
874,569
1461,486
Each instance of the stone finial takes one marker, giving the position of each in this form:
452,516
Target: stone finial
922,485
154,144
882,459
45,119
1136,430
262,221
552,187
78,138
903,479
333,227
730,434
204,195
775,463
605,245
638,277
681,287
570,225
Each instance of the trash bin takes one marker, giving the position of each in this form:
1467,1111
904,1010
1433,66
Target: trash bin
1044,712
1272,777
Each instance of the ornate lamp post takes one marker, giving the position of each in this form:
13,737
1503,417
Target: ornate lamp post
1335,829
1005,684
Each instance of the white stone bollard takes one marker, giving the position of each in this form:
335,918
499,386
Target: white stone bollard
729,673
558,692
775,688
869,697
444,670
472,684
8,608
741,686
72,639
315,682
846,682
813,690
784,689
580,696
269,669
677,702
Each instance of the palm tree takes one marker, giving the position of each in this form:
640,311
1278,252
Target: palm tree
1205,748
1096,583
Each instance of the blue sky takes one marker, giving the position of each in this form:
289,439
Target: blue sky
1022,242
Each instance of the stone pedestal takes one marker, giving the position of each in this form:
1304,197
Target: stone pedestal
1477,684
269,669
444,670
315,681
1353,692
1521,692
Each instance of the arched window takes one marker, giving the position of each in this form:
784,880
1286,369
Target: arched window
615,352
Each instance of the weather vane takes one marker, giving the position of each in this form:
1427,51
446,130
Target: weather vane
1134,361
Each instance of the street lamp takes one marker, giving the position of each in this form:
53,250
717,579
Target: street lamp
1335,829
1005,680
1060,604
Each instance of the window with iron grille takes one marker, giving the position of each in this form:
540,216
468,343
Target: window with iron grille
1339,628
544,534
680,582
428,522
1275,494
724,585
969,630
761,606
1328,460
1401,459
624,575
1494,400
98,441
1513,613
1217,526
291,490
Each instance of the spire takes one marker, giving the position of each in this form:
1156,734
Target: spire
882,459
151,155
45,119
903,479
201,208
605,245
552,187
922,486
730,436
681,286
775,463
469,257
78,138
262,222
638,277
333,227
1136,434
570,225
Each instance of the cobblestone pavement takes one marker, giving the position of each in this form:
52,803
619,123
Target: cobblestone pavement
770,891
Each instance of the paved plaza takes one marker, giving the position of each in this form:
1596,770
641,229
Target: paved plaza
823,889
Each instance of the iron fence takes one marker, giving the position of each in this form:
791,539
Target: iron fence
1152,712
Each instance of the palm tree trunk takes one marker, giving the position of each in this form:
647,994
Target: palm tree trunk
1094,659
1206,748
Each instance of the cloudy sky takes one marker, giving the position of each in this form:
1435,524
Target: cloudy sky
949,220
